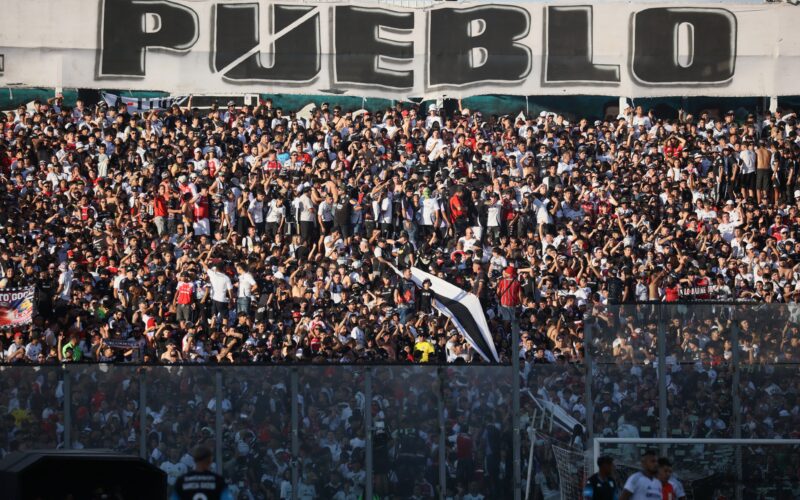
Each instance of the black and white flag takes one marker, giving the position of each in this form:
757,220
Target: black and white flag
464,310
138,105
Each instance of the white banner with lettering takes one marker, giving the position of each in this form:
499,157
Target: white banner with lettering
137,105
367,49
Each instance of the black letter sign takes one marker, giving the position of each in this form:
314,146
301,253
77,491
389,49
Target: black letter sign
295,54
569,48
131,27
478,44
359,48
711,46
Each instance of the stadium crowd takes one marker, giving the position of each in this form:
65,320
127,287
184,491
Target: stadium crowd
248,234
244,235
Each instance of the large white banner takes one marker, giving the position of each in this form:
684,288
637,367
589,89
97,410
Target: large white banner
204,46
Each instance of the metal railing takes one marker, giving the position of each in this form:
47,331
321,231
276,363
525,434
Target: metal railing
654,370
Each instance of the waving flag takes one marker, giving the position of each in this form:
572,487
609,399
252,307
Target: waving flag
138,105
464,310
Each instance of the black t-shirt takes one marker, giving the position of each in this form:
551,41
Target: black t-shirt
424,169
126,284
403,253
481,278
201,486
426,300
615,289
46,287
341,211
387,295
599,489
528,287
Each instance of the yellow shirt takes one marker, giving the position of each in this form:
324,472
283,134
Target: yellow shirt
425,348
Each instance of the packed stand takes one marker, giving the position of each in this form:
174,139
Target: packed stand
254,235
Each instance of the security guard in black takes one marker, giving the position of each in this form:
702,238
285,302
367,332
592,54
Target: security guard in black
201,483
201,486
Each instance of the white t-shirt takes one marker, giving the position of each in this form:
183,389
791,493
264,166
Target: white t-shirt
65,279
748,158
256,210
429,208
726,229
677,488
229,206
469,243
385,215
275,212
13,348
32,350
643,487
246,282
220,284
642,120
306,209
326,211
493,215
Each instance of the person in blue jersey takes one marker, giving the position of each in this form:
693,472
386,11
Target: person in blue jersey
602,485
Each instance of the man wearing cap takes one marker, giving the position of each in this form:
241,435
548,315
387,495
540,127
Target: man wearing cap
432,117
201,483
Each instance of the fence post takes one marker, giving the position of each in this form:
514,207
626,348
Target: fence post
442,434
368,430
218,420
515,389
736,401
588,380
67,407
143,413
662,376
295,433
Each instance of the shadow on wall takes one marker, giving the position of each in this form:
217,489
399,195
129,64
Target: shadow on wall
572,107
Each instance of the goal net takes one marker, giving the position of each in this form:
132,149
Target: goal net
714,468
572,471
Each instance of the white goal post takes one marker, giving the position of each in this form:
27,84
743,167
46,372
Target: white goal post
599,441
710,467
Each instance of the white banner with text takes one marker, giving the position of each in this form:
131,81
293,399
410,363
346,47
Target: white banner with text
366,49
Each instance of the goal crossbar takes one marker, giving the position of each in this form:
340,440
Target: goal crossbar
656,441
